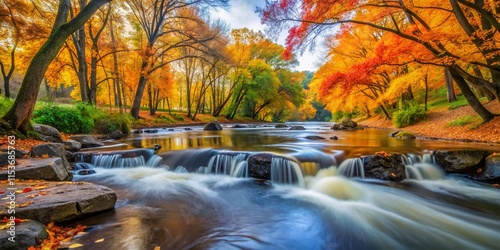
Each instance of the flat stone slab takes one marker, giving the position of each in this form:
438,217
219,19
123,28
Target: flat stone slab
51,169
55,201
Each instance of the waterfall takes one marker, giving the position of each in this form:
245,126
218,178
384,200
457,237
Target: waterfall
225,163
154,161
286,171
116,161
241,170
180,169
352,167
422,167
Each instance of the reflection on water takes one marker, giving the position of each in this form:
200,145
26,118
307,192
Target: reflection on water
268,138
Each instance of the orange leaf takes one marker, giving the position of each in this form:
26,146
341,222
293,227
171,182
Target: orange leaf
26,190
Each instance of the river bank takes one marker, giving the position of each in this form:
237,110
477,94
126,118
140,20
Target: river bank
439,124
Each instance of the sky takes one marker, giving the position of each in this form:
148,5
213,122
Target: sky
241,14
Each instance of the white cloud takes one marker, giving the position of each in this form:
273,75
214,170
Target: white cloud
241,14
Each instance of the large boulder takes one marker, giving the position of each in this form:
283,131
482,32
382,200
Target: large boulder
6,156
116,135
87,141
212,126
384,166
50,169
259,166
51,150
346,124
461,161
27,234
72,145
60,201
491,170
48,133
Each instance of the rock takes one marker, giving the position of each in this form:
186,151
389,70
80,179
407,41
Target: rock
387,167
48,133
70,157
87,141
116,135
170,129
4,156
72,145
259,166
50,169
348,123
404,135
281,125
51,150
459,161
29,233
334,137
62,201
393,134
151,131
491,171
86,172
336,126
239,126
297,128
188,129
314,137
212,126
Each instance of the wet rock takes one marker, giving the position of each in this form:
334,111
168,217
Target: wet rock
116,135
212,126
188,129
29,233
50,169
281,125
87,141
334,137
297,128
86,172
491,171
259,166
384,166
170,129
4,156
48,133
62,201
314,137
459,161
393,134
404,135
239,126
51,150
72,145
348,123
70,157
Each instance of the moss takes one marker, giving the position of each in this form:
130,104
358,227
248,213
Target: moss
405,135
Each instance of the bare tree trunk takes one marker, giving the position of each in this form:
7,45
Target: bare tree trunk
449,86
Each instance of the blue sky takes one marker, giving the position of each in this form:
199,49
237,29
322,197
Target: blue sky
242,14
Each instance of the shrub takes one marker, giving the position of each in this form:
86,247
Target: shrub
337,116
178,117
163,119
108,123
65,119
408,113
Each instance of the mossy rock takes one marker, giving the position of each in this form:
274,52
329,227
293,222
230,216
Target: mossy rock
404,135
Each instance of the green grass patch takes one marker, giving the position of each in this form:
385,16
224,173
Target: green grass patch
408,113
163,119
472,120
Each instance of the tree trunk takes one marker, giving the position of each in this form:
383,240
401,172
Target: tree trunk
469,95
18,117
426,91
136,105
449,86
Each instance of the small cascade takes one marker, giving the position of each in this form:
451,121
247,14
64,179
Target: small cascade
286,171
154,161
191,159
422,167
241,170
117,161
180,169
352,167
225,163
81,165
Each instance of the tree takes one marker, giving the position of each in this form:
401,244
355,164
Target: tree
158,19
18,117
428,26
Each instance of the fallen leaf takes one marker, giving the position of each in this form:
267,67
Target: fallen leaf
99,240
25,204
26,190
42,193
76,245
39,187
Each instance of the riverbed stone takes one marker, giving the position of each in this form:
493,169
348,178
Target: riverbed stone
29,233
314,137
259,166
491,170
404,135
239,126
297,128
384,167
72,145
59,201
51,150
48,133
116,135
87,141
51,169
459,161
212,126
281,125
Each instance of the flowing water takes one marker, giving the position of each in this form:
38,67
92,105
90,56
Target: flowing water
194,194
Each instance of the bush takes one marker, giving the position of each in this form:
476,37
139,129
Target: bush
337,116
408,113
163,119
178,117
65,119
110,122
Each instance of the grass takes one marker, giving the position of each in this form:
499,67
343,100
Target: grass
472,120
